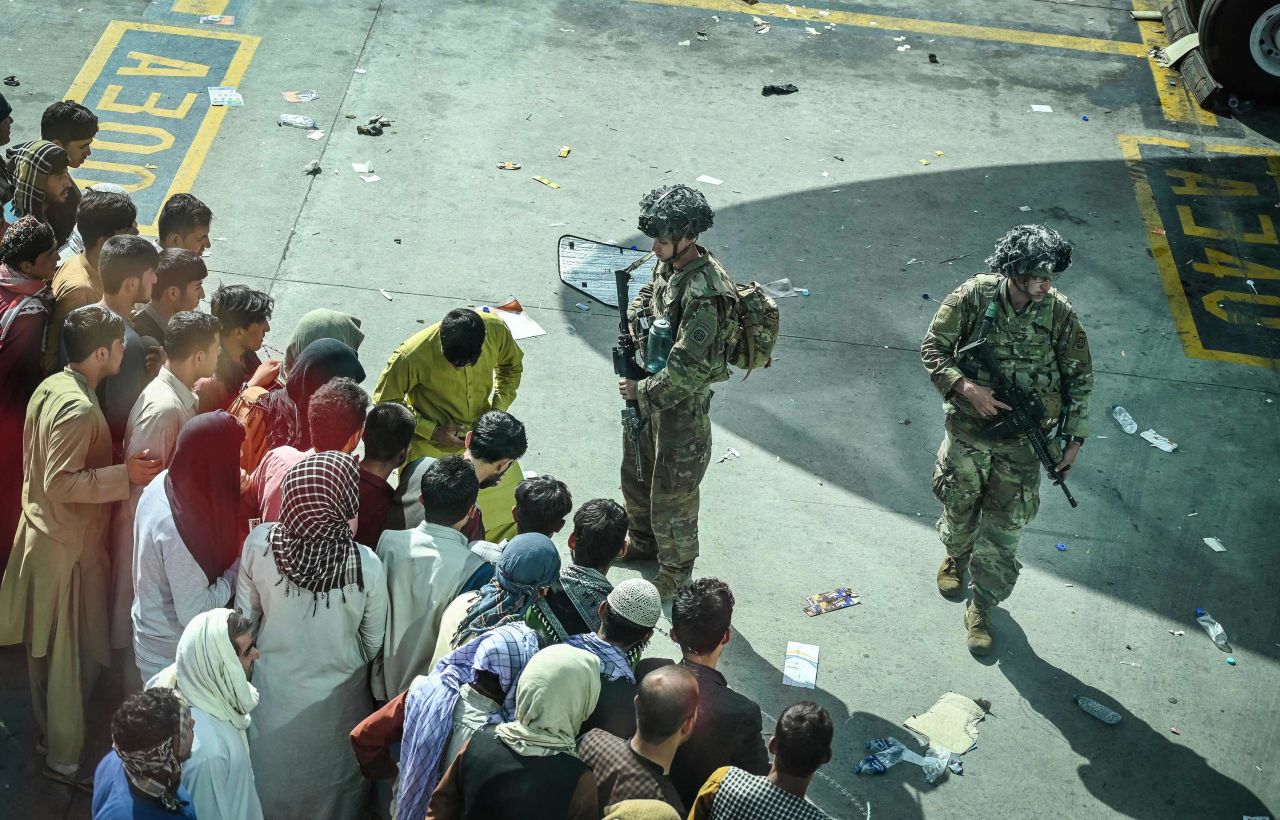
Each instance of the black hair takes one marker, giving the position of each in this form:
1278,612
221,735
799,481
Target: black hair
181,214
123,257
388,431
701,614
543,502
88,328
237,625
67,121
462,335
238,306
178,268
621,632
600,532
336,413
498,436
449,488
27,240
665,699
147,719
804,734
189,331
102,214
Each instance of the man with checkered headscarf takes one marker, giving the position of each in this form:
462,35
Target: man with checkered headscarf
43,185
694,294
989,487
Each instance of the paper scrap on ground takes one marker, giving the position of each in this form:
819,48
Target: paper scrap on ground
218,19
385,295
825,602
225,95
370,177
547,182
1215,545
1024,208
362,167
951,722
1158,440
315,135
1042,109
1177,633
710,180
521,325
300,96
729,454
801,666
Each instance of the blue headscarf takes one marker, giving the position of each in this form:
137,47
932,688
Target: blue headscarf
528,563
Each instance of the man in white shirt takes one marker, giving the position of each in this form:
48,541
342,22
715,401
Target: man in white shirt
426,569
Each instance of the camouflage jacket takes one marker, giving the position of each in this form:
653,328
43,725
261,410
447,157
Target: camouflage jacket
1043,349
698,301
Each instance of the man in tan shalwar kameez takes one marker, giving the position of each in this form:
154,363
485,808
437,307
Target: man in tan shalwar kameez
54,595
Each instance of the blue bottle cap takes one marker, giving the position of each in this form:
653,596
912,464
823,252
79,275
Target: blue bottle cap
1062,548
1199,612
1231,660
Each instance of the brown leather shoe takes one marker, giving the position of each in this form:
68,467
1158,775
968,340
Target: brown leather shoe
951,576
977,620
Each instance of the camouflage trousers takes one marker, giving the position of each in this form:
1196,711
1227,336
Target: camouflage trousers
990,490
662,502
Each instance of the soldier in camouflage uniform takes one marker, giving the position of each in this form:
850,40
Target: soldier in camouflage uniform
692,291
989,489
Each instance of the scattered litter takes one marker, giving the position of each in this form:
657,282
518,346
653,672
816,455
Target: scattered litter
778,90
939,154
811,31
583,306
904,47
683,43
370,177
951,259
905,422
1131,663
1231,661
521,325
761,26
1024,208
1102,713
296,121
825,13
374,127
899,39
547,182
951,722
1042,109
567,30
703,36
1084,117
316,135
360,71
728,455
782,288
1158,231
300,96
508,166
1158,440
709,180
312,167
226,96
218,19
1213,629
801,665
1126,421
1068,585
925,162
1175,730
1177,633
933,58
362,167
12,81
385,295
564,151
825,602
1062,548
1215,544
887,751
790,9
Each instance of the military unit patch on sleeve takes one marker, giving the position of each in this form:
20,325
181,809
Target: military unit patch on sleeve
699,335
1081,342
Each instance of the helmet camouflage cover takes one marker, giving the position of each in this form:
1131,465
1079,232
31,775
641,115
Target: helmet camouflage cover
1033,250
674,212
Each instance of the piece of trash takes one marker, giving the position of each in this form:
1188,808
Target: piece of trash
1158,440
728,454
508,166
582,306
1175,730
397,241
1215,545
1084,117
1158,231
1131,663
1177,633
811,31
296,121
887,751
904,47
1102,713
702,35
1024,208
824,602
709,180
300,96
899,39
925,162
905,422
360,71
1062,548
362,167
225,96
951,722
1213,629
801,665
374,127
1042,109
1126,421
781,289
939,154
547,182
763,28
218,19
385,295
366,178
312,167
1068,585
825,13
933,58
683,43
12,81
778,90
316,135
1231,661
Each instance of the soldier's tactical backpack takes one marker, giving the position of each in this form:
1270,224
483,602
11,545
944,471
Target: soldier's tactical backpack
758,326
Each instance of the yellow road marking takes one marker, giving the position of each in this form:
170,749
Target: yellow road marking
1175,100
1093,45
1163,255
199,6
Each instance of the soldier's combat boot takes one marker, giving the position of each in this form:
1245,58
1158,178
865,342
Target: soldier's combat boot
951,575
670,582
977,620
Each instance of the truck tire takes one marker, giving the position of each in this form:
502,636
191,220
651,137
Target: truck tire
1240,42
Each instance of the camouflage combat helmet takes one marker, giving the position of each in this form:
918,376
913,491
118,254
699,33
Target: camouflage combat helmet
1033,250
674,212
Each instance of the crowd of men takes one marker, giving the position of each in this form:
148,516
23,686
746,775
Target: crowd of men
304,632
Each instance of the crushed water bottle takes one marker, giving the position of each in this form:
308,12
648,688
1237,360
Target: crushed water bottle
1096,709
1126,421
885,752
1215,630
297,121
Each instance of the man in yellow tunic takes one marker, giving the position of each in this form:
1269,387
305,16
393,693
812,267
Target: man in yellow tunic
451,374
54,595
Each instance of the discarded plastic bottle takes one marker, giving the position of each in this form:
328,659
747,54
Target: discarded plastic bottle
886,751
1096,709
1126,421
1214,629
659,346
297,121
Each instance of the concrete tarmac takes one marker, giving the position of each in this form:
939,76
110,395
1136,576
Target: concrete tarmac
836,439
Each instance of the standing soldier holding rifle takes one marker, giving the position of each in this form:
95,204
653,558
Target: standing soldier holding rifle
1008,354
684,326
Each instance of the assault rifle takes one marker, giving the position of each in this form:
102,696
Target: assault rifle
624,358
1026,410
